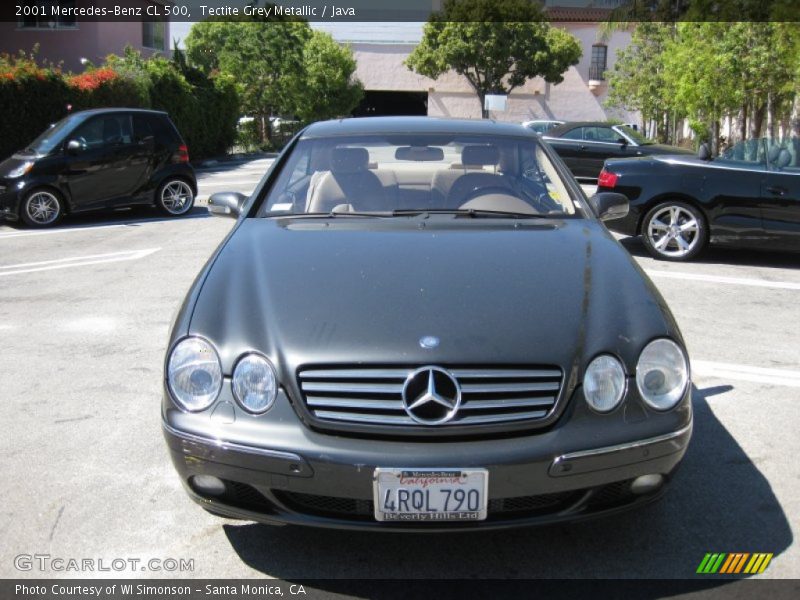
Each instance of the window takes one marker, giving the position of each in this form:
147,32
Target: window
154,34
47,14
104,131
602,134
573,134
597,70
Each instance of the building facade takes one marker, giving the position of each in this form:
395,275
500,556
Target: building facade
72,42
391,88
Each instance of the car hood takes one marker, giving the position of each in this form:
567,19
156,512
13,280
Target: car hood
350,290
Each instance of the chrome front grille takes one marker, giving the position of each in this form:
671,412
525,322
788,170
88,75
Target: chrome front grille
374,396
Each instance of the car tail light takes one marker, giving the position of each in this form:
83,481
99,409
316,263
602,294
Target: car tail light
182,155
607,179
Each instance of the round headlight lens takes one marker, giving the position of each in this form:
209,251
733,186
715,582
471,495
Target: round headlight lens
604,383
254,383
662,374
194,374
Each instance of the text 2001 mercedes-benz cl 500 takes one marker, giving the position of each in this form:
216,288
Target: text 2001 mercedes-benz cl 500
423,324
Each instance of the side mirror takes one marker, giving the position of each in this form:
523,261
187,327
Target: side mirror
609,205
622,141
704,152
226,204
74,147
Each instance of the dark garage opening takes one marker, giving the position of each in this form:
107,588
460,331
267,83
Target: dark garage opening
392,104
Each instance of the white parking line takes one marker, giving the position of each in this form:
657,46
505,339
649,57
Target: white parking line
75,261
784,377
91,228
784,285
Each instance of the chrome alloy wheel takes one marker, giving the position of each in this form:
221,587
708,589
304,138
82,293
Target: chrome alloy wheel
176,197
673,231
42,208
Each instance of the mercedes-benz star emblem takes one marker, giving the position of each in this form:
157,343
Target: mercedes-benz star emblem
431,396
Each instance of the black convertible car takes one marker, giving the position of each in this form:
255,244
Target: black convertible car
584,146
422,324
747,197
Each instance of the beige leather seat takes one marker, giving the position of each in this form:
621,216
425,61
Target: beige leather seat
468,183
349,182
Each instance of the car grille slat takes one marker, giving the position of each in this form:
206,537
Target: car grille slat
374,396
358,388
492,388
498,404
320,401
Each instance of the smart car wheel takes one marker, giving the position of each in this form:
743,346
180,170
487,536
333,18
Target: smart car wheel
175,197
41,208
674,231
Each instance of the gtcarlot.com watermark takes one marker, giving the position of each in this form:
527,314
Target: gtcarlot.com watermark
47,563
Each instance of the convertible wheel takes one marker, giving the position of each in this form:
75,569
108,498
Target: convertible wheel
41,208
175,197
674,231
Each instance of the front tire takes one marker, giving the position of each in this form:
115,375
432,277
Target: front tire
674,231
174,197
41,208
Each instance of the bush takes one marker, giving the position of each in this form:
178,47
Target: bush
205,111
31,98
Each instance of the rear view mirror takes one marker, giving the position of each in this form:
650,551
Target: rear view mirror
609,205
419,153
226,204
704,152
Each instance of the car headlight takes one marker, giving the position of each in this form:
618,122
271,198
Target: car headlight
662,374
604,383
21,170
254,383
194,374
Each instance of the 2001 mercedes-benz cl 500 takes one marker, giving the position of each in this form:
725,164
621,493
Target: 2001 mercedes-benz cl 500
423,324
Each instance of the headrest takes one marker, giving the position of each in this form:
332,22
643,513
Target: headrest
773,154
349,160
784,158
480,155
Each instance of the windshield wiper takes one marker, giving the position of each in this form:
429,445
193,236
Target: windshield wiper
326,215
467,212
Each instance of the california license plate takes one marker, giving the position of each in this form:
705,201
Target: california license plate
430,494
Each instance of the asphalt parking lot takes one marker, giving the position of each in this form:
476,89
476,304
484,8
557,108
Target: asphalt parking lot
85,314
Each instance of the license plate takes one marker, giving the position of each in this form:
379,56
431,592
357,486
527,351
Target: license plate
430,494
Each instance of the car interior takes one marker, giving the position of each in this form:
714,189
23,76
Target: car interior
340,178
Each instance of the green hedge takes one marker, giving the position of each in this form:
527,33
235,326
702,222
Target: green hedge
205,111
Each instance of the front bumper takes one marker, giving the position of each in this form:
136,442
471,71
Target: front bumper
9,201
581,467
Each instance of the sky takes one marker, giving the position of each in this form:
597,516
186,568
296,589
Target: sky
342,32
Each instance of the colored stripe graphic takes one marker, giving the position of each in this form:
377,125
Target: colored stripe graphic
759,562
734,563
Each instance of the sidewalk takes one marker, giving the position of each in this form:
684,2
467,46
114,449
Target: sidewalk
231,159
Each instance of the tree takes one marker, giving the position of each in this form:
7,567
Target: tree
327,87
281,66
638,79
264,57
497,45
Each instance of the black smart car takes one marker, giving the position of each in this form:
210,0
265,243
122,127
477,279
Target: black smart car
423,324
584,145
96,159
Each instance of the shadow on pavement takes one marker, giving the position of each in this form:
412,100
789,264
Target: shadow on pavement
718,502
122,216
716,255
226,166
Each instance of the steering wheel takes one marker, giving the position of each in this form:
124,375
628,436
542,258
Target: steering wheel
486,191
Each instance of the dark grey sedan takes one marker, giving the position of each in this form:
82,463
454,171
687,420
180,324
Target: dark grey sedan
584,146
422,324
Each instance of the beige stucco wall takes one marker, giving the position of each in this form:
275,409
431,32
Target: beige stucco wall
89,39
380,67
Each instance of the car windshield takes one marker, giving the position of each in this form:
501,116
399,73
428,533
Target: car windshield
404,173
54,136
635,135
